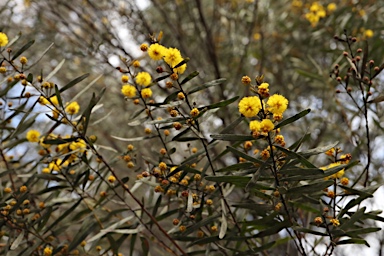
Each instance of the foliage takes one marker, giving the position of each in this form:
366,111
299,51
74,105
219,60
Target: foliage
206,169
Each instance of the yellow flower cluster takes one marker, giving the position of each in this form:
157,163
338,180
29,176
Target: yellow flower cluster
3,39
316,12
129,90
266,112
171,56
250,106
72,108
343,159
33,136
143,79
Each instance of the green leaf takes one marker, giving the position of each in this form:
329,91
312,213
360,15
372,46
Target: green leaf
58,95
86,228
293,118
244,155
86,116
309,231
232,137
276,228
302,171
236,167
74,82
305,206
184,61
318,150
144,246
310,75
353,241
161,78
135,139
222,103
59,141
240,181
30,78
207,85
189,77
53,72
202,223
310,188
346,224
23,49
64,215
297,156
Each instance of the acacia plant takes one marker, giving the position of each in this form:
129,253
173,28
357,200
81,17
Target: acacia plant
200,187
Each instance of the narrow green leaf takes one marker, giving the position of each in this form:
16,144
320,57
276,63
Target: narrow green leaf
18,240
222,103
202,223
245,156
134,139
309,231
353,241
302,171
310,188
74,82
184,61
298,156
309,75
274,229
144,246
346,224
23,49
63,216
236,167
53,72
30,78
205,240
237,180
207,85
293,118
231,137
189,77
161,78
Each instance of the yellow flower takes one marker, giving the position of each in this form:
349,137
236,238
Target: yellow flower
368,33
81,145
43,101
254,126
246,80
156,51
3,39
111,178
266,125
172,56
250,106
72,108
129,90
55,165
124,78
277,104
337,175
144,47
33,136
331,7
335,222
194,112
146,93
47,251
54,100
143,79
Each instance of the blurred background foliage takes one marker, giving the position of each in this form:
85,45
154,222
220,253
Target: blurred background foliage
290,42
